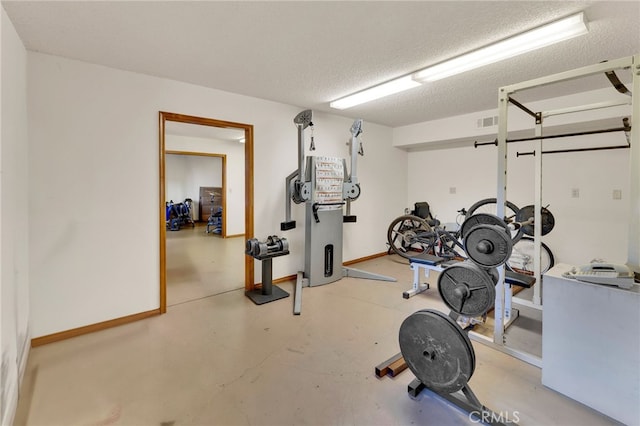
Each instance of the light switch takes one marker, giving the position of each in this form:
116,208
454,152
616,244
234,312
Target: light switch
617,194
575,193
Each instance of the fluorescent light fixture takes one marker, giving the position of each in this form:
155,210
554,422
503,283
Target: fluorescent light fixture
241,140
545,35
394,86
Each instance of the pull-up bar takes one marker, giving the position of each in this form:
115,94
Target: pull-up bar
625,128
559,151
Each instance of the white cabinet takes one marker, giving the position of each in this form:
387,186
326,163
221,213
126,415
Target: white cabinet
591,344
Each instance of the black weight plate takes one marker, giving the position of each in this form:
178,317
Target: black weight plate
467,289
480,219
437,351
488,245
548,221
494,274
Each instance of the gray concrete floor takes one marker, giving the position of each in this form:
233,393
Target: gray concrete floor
222,360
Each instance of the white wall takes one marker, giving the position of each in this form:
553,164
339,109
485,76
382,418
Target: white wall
591,226
94,139
235,173
14,230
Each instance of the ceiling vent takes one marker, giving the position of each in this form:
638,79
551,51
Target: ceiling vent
487,122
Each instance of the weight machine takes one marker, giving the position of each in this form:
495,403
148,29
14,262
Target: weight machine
505,98
324,185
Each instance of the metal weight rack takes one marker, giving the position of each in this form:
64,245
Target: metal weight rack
506,98
434,345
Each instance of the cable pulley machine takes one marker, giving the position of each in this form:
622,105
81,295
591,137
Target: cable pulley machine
324,186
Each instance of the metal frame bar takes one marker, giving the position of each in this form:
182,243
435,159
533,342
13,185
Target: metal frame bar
418,287
527,303
521,355
523,108
563,151
633,253
590,107
561,135
568,135
622,63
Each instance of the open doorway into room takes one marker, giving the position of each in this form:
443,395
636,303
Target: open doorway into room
206,166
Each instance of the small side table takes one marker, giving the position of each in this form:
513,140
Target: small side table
268,292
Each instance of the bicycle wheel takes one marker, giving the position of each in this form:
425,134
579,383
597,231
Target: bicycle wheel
490,206
522,257
409,234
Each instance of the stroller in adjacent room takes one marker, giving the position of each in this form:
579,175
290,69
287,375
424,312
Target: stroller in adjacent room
178,215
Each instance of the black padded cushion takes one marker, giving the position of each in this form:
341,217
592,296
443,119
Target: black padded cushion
422,210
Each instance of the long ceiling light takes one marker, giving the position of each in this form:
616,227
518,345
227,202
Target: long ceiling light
545,35
385,89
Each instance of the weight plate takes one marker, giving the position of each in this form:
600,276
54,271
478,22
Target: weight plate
494,274
481,219
488,245
437,351
548,221
467,289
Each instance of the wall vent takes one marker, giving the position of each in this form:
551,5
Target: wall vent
487,122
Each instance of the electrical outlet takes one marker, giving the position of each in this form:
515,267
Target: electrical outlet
575,193
452,190
617,194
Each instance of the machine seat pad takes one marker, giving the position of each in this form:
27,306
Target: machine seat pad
515,278
427,259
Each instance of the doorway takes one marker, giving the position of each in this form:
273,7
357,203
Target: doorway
169,119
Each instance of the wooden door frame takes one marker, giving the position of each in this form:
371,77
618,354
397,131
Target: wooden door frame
248,199
223,232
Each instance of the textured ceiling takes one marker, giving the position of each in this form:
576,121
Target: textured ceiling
310,53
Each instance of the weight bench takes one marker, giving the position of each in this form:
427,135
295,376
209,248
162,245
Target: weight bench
511,278
426,262
429,262
521,280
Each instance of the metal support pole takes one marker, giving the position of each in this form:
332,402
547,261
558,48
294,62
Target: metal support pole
267,277
537,215
300,152
356,130
503,108
633,251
